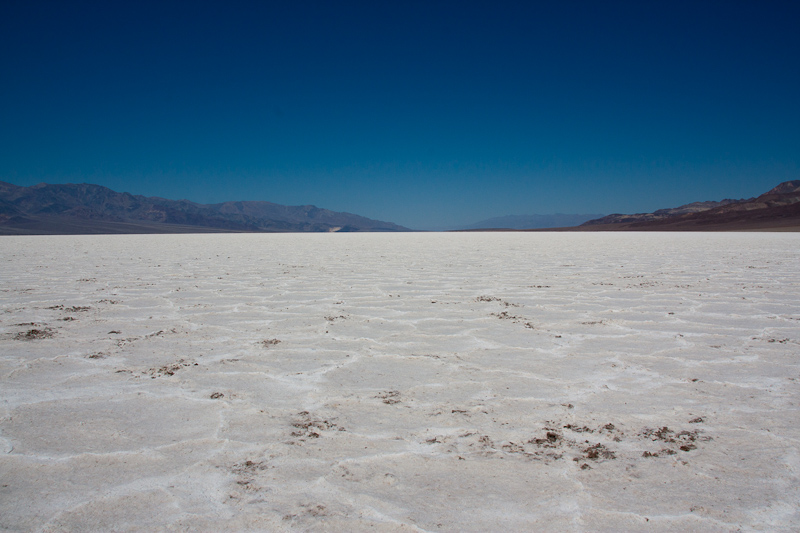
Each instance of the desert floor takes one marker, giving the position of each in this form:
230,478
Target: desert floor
400,382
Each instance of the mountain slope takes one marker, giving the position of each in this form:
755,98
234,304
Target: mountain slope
86,208
660,214
777,208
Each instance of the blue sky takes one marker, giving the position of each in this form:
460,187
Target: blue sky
428,114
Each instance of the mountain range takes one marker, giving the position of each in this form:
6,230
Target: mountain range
778,208
48,209
91,209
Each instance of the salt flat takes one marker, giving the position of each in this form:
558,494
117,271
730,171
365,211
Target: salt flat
400,382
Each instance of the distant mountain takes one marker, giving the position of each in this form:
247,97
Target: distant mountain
777,208
86,209
558,220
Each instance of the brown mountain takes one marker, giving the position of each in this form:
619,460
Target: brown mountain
776,209
85,209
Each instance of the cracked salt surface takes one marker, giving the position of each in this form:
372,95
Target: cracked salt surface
406,382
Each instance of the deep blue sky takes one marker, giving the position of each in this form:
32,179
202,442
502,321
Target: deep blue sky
427,114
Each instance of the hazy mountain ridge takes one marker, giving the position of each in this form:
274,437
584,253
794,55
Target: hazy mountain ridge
558,220
87,208
778,207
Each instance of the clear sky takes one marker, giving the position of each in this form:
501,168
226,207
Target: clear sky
428,114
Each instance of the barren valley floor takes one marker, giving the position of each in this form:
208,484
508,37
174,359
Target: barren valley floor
400,382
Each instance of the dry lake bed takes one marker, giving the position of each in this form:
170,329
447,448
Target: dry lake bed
400,382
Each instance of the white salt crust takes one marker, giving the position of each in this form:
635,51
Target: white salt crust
400,382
